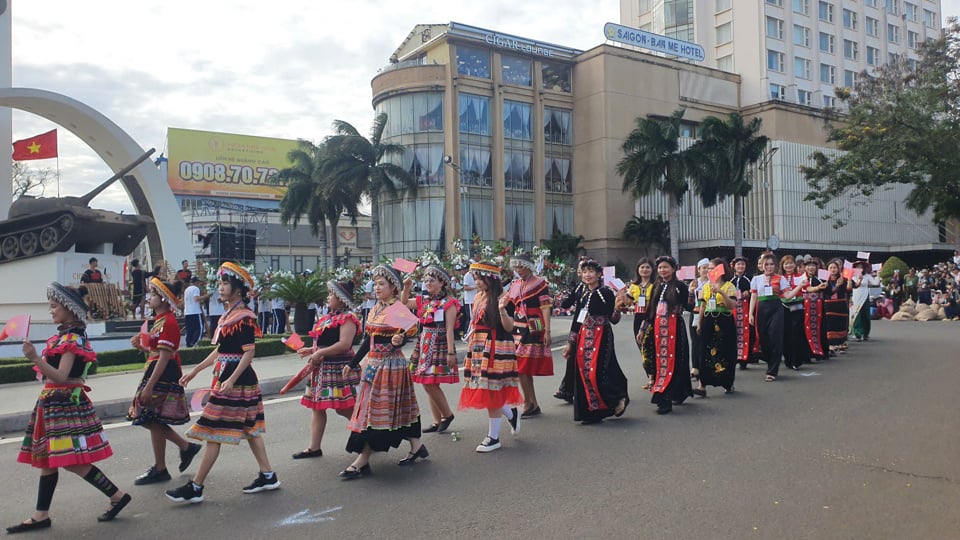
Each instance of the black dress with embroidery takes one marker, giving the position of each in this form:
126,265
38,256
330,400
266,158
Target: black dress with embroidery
599,384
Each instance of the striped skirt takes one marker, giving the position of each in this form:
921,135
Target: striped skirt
169,407
429,358
62,433
327,388
230,417
490,372
386,411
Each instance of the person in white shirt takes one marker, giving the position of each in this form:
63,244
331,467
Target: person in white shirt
469,293
369,300
193,312
215,310
860,312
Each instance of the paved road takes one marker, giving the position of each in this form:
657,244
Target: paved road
859,447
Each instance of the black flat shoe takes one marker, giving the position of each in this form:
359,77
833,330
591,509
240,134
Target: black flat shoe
702,392
532,412
304,454
564,396
432,429
591,422
152,476
31,525
445,423
412,457
664,410
115,508
352,472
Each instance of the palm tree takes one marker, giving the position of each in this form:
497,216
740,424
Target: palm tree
305,187
654,162
366,165
725,153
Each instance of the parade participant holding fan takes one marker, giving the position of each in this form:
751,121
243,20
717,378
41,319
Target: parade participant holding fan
386,412
64,431
741,315
234,411
814,329
600,388
490,380
638,296
328,387
718,332
669,347
530,295
835,307
794,336
434,359
160,401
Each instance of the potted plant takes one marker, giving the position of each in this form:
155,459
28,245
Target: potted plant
299,290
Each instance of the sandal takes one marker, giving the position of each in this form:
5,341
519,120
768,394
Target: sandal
115,508
769,378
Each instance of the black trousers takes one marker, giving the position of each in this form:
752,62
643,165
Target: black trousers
794,338
194,327
770,329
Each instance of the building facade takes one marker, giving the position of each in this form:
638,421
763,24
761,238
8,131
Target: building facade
513,139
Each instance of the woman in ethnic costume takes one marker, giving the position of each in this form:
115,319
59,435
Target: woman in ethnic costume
327,386
836,308
64,431
533,305
794,335
814,329
600,387
860,312
638,296
434,359
490,380
386,412
695,288
160,401
741,315
234,411
718,332
669,347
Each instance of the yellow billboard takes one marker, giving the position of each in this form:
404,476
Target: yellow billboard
210,164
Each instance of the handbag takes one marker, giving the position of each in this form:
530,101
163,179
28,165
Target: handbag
535,326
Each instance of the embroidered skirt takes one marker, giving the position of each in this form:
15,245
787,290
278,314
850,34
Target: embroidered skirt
230,417
63,433
170,406
386,411
429,358
490,372
327,388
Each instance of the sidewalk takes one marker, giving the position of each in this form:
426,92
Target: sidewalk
112,393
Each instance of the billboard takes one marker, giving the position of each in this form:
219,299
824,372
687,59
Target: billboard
210,164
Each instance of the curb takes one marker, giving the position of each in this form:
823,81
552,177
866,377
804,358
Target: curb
113,409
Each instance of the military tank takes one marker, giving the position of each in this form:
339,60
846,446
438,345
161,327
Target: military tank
40,225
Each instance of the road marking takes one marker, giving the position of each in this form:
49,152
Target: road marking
810,373
304,516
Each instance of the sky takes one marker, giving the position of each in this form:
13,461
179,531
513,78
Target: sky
282,69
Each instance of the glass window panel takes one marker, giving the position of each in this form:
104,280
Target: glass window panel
516,120
555,76
475,166
724,33
474,114
558,174
557,127
473,61
514,70
517,169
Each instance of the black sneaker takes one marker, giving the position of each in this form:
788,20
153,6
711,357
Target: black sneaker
187,493
152,476
515,421
262,483
186,456
488,445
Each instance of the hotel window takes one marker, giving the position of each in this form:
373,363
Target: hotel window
725,63
828,74
892,57
801,6
801,35
913,12
517,169
774,28
298,264
893,7
912,64
775,2
849,78
851,50
893,33
555,76
913,39
872,3
474,114
475,166
775,61
473,61
873,27
515,70
725,33
829,101
421,112
558,151
803,97
929,19
825,11
801,67
778,92
849,19
873,56
424,162
557,127
827,43
516,121
723,5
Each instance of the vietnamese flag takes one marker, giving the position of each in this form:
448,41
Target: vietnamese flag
42,146
18,326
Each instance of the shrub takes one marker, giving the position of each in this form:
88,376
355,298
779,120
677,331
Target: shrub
891,264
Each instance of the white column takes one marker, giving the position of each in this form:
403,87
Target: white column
6,114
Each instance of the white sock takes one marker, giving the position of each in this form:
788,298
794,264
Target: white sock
508,412
494,430
268,475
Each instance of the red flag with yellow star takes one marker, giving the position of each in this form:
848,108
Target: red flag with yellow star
40,147
18,326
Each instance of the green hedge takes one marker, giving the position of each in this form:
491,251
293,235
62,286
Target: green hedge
20,370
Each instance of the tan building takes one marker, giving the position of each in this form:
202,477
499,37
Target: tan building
534,131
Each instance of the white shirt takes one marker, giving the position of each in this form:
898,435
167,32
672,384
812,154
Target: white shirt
368,288
278,303
216,307
469,281
191,301
264,305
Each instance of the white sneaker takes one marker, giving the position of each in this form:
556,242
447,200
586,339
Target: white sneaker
488,445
